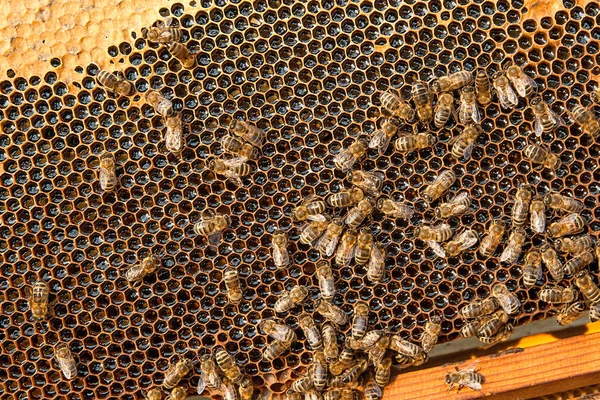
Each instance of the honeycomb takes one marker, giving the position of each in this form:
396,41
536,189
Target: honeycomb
310,74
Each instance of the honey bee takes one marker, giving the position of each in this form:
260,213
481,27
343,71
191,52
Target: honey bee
378,351
360,320
523,84
404,347
154,394
579,262
163,32
345,251
311,206
174,134
468,112
381,138
235,146
383,371
370,182
376,266
180,52
352,374
458,205
176,373
440,185
313,230
503,334
506,95
595,312
483,87
291,298
326,281
429,338
212,225
443,109
563,203
570,313
364,245
209,376
538,215
372,389
509,302
407,142
569,225
329,240
248,132
302,385
115,83
490,242
65,360
38,301
346,158
311,331
465,142
465,378
493,324
532,270
108,172
178,393
277,331
462,242
576,245
246,389
479,308
452,82
433,235
136,274
546,120
229,391
521,206
160,103
552,262
228,365
232,169
554,295
346,198
331,312
538,154
586,118
397,107
395,209
281,256
512,251
344,361
359,213
330,346
319,370
470,328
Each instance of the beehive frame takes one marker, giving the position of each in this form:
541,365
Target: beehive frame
309,74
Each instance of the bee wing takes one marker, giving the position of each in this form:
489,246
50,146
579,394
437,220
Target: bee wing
459,198
468,151
508,98
509,303
234,177
469,369
173,140
331,246
165,23
508,253
570,218
470,384
308,199
437,248
380,141
214,238
538,127
201,383
475,113
207,215
467,241
350,256
522,83
317,218
65,367
235,162
376,390
279,256
344,159
538,221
